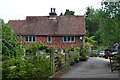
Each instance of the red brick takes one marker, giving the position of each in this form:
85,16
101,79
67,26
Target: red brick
57,42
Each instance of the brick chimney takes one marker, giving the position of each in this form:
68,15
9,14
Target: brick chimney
52,14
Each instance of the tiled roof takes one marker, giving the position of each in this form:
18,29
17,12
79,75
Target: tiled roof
43,25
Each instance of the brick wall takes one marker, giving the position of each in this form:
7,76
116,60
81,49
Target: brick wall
57,42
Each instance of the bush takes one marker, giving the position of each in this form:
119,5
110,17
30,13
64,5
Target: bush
71,58
83,54
33,48
73,55
14,65
83,57
117,56
30,68
94,53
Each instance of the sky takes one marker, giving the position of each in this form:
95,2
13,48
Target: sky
19,9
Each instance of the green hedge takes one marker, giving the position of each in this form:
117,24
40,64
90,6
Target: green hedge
30,68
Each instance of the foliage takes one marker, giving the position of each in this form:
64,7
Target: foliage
59,61
69,13
33,48
15,65
104,23
108,33
32,67
90,40
92,21
83,57
101,48
77,54
13,68
84,51
94,53
117,56
0,36
10,46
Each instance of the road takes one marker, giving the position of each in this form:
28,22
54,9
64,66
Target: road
95,67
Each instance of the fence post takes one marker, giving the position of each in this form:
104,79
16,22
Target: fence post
66,59
52,61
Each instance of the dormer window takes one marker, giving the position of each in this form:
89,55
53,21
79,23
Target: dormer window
30,38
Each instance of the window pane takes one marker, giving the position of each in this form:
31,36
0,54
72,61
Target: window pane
26,38
33,38
64,38
30,38
69,38
72,38
49,39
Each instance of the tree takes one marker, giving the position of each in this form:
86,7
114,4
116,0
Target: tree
92,21
1,21
11,48
69,13
109,23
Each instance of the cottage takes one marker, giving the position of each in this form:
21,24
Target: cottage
54,31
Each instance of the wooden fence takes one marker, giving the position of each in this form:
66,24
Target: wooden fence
114,63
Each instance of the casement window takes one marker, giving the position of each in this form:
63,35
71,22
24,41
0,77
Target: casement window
69,39
49,39
30,38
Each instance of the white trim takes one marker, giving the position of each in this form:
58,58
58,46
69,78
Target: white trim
28,37
70,39
50,39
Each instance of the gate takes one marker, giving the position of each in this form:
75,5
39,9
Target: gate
114,63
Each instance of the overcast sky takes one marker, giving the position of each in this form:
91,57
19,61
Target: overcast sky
19,9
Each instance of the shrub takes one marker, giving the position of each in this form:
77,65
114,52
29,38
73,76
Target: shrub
83,54
71,58
94,53
33,67
83,58
73,55
33,48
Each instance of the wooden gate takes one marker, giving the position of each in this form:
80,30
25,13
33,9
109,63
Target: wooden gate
114,63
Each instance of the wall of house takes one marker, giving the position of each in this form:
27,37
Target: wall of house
57,42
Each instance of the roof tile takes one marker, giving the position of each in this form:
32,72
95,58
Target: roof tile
42,25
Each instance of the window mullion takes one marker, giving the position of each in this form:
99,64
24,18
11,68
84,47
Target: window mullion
66,38
27,38
32,39
70,38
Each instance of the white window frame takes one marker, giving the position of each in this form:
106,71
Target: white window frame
50,39
28,36
68,40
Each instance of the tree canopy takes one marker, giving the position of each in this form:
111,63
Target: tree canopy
10,46
69,13
104,23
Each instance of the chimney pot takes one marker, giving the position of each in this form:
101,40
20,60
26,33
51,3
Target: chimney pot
51,10
52,13
54,10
